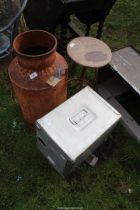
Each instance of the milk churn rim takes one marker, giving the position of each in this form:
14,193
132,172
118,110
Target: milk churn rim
31,56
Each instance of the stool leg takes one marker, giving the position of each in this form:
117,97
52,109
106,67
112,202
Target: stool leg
96,80
100,30
82,77
88,26
64,38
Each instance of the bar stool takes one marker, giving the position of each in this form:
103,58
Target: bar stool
89,52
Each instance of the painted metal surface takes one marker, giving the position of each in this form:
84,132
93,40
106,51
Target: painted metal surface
30,74
75,128
126,62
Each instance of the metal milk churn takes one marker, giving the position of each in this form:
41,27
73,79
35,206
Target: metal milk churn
38,74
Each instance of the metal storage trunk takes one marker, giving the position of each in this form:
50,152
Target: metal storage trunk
71,132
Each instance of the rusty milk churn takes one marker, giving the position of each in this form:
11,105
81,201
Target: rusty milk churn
38,74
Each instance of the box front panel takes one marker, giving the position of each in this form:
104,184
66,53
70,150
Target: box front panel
57,160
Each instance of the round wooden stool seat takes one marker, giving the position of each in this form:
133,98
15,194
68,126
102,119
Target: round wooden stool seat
89,52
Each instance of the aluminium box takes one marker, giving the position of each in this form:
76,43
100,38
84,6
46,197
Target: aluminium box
71,132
